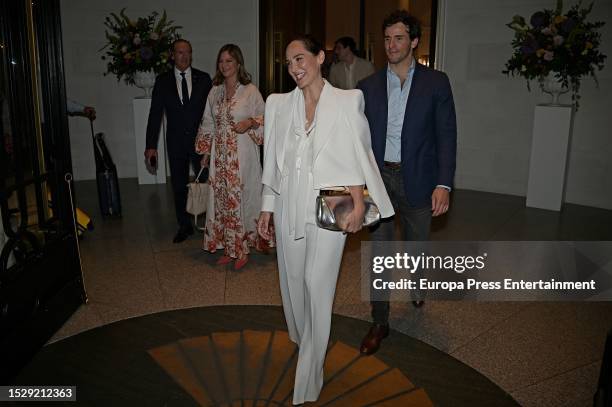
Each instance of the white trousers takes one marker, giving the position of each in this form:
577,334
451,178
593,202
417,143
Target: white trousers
308,271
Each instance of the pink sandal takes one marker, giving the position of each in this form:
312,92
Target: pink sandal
240,263
224,260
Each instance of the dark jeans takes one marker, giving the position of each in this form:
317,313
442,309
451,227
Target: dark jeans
179,172
415,225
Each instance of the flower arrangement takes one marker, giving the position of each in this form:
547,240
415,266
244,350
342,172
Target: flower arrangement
138,45
564,45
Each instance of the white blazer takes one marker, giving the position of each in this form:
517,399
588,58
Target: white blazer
342,151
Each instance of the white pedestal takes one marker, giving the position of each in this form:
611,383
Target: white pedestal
552,127
141,114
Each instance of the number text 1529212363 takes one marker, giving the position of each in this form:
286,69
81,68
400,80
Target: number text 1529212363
34,393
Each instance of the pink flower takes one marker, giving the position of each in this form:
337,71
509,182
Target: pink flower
546,31
548,55
558,40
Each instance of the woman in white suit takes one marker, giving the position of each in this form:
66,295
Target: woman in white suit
315,137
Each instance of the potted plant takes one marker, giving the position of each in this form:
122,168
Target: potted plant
557,49
138,50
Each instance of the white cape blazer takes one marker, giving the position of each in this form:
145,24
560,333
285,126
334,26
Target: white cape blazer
342,150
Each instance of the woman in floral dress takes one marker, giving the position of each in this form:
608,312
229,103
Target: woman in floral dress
231,132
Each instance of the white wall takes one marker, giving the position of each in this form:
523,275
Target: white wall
495,113
207,24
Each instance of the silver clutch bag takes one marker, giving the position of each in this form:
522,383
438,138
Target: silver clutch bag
333,207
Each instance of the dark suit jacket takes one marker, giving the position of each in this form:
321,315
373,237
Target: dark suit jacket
429,132
182,121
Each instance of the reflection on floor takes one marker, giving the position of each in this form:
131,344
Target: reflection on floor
541,353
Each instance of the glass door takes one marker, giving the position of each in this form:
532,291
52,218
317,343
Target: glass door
40,274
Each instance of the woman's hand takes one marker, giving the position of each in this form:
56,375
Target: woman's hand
354,220
243,126
204,162
264,225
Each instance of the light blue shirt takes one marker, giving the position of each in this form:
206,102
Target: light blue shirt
397,97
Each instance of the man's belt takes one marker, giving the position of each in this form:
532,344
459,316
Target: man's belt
393,165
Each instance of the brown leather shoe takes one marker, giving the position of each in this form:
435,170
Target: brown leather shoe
371,342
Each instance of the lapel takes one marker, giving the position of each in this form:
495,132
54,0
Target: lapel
283,119
377,107
173,89
195,83
327,112
383,106
416,89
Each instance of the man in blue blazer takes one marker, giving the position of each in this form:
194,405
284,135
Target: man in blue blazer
411,114
181,93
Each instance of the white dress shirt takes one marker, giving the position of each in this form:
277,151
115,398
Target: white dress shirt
179,79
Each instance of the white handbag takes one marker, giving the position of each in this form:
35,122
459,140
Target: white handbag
197,198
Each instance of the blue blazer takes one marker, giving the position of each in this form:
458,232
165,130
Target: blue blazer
429,132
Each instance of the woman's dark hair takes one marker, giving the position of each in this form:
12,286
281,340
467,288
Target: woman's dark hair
310,43
402,16
234,50
348,42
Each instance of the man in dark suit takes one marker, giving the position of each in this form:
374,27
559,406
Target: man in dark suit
411,114
181,94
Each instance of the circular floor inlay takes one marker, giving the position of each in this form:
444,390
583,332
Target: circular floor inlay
228,368
241,354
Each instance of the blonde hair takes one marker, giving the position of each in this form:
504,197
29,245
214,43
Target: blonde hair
234,50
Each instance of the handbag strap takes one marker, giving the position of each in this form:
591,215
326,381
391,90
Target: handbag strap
197,179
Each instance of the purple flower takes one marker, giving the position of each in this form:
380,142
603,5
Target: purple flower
527,50
568,25
530,45
146,53
539,19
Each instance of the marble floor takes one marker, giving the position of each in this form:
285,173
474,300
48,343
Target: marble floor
542,354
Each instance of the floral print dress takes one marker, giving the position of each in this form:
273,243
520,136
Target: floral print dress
234,200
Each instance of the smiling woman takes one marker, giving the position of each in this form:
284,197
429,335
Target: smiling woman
316,137
229,137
